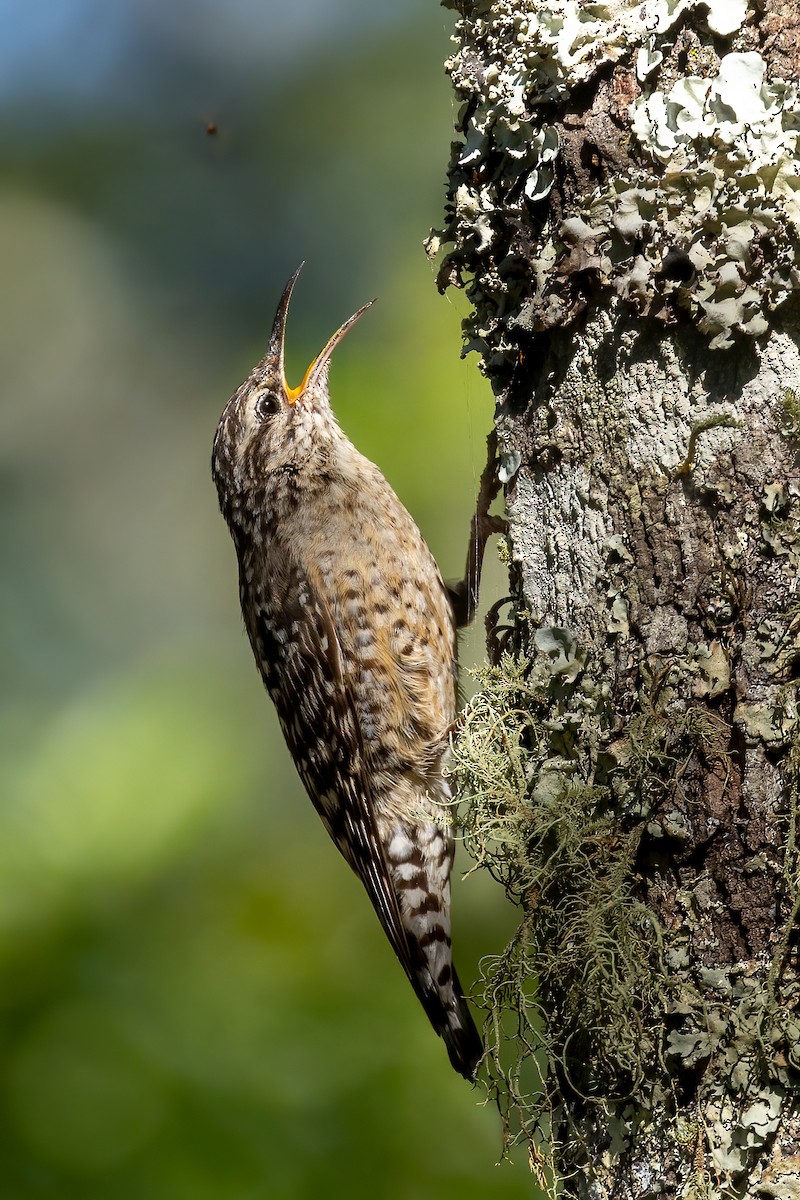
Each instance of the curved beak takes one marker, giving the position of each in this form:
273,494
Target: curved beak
319,366
275,358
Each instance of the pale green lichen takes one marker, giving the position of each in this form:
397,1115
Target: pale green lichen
780,523
730,195
592,1005
726,207
593,1008
587,946
705,217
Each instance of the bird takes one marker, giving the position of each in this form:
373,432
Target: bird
354,633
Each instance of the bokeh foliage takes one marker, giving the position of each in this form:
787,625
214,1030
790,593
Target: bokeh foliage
195,999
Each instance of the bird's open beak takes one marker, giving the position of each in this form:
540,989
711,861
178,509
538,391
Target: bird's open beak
275,357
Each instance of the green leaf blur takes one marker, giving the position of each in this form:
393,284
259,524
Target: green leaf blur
195,997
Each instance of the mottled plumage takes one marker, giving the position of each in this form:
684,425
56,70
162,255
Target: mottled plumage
353,632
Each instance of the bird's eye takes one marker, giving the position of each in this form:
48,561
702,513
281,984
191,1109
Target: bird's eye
267,404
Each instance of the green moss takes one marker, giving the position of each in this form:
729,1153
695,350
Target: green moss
791,414
588,951
592,1007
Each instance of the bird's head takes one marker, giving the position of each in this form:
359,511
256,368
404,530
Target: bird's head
268,426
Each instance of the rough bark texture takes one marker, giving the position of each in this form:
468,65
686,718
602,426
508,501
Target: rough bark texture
623,216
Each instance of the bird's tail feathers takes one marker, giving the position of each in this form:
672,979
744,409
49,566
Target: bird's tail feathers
420,867
460,1035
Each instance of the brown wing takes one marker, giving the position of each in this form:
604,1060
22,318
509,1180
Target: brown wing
300,658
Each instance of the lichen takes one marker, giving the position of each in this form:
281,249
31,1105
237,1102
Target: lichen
593,1007
703,217
729,198
607,780
587,947
780,523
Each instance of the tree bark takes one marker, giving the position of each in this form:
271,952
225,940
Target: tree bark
623,211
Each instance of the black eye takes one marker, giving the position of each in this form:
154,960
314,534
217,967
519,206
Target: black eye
267,405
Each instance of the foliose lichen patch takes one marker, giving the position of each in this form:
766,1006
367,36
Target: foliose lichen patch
696,203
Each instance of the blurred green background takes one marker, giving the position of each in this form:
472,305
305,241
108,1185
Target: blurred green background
196,998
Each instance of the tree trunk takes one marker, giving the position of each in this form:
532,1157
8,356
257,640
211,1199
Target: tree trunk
624,202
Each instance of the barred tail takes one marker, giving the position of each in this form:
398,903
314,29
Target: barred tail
420,858
463,1042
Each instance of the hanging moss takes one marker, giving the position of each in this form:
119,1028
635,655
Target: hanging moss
592,1007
